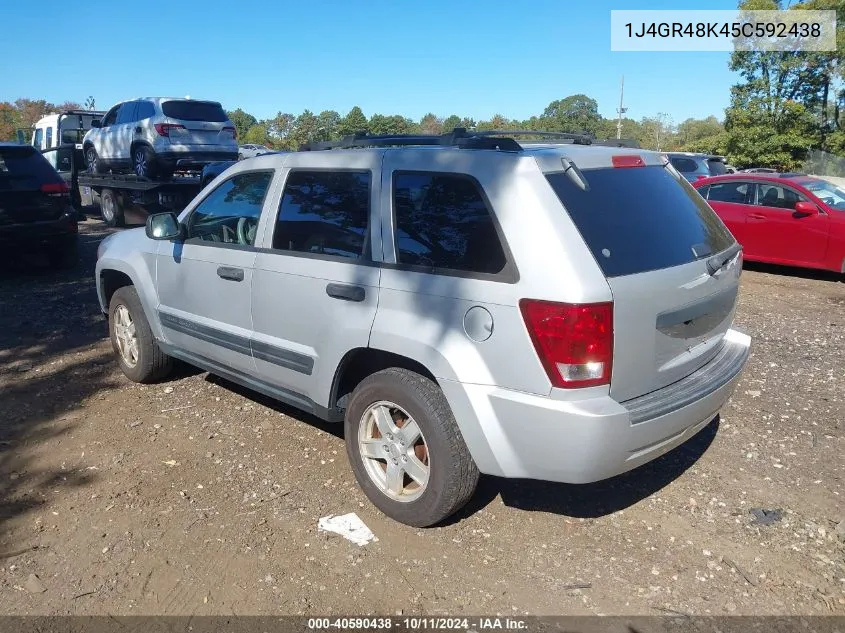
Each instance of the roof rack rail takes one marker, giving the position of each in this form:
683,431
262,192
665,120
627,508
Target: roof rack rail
459,137
578,139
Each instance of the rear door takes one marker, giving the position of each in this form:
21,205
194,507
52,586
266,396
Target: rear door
781,235
123,131
318,253
203,123
731,199
30,189
652,235
105,142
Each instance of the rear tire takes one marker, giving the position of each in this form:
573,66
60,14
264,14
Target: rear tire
64,256
138,354
111,208
439,454
144,162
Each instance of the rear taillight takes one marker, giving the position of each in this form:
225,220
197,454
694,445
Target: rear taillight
232,130
627,160
55,188
163,129
573,341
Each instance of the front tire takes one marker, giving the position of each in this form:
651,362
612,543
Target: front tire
138,354
406,449
92,160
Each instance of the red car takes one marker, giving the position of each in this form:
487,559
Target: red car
788,219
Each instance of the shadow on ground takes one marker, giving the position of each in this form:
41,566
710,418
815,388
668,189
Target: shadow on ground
789,271
52,359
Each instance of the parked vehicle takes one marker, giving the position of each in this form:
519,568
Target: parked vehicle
251,150
695,166
759,170
154,137
62,128
730,169
560,312
36,214
788,219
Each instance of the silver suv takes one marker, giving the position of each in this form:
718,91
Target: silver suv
153,137
462,303
696,166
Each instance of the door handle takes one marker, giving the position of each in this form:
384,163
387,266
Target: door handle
346,292
232,274
756,216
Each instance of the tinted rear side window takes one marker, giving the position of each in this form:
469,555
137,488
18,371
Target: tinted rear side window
735,192
194,111
717,167
640,219
23,167
442,222
684,165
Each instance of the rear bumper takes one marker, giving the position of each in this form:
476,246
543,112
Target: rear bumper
195,156
514,434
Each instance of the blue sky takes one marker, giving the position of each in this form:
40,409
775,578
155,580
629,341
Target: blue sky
444,56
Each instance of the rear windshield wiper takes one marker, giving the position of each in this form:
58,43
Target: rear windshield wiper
717,262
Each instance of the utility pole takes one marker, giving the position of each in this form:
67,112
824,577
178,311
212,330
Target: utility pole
621,110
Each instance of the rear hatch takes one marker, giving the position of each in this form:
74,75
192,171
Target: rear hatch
30,189
671,264
202,123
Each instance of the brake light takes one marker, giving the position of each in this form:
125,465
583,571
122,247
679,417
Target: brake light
573,341
163,129
233,131
627,160
55,188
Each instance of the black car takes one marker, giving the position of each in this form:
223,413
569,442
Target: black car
36,212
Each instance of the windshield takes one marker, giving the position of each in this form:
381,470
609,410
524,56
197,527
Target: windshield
827,192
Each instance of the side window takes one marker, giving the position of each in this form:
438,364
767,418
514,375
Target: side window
49,137
145,110
127,112
735,192
704,191
442,221
684,165
324,212
39,136
230,213
111,116
777,196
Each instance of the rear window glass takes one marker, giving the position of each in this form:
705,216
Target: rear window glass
717,166
684,165
194,111
640,219
22,167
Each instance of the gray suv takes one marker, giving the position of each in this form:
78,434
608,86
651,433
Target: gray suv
462,303
696,166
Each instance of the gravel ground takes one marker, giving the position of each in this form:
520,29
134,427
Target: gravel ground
198,497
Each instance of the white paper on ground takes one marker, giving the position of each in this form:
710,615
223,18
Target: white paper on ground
348,526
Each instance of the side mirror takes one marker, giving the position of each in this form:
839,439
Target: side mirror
804,208
96,123
164,226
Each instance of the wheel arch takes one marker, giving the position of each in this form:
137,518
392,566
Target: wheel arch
112,274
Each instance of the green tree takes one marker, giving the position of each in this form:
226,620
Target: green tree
353,122
328,124
305,129
576,113
430,124
257,134
242,120
451,122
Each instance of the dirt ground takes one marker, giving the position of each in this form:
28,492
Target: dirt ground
198,497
